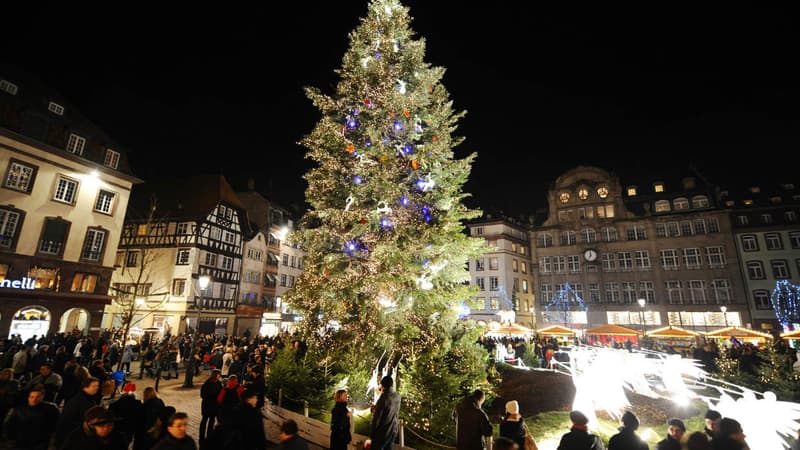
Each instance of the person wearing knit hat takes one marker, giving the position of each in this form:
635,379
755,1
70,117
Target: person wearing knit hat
579,437
512,426
675,430
627,439
97,431
712,419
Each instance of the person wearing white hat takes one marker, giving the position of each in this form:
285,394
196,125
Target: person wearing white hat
512,426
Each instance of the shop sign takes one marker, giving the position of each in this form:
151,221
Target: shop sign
24,283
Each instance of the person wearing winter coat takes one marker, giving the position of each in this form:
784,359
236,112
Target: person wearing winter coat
512,426
386,416
579,437
627,439
176,438
229,397
127,357
340,422
209,407
72,415
472,423
95,433
730,436
32,425
675,431
249,422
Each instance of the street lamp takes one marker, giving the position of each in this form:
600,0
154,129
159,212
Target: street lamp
724,310
203,282
642,302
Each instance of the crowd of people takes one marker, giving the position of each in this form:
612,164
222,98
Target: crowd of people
70,392
61,392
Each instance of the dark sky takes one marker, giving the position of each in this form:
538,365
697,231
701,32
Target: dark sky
194,89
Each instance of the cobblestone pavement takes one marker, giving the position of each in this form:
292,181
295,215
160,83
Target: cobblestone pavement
174,394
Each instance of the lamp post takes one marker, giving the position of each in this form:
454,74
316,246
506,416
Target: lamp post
642,302
203,282
724,310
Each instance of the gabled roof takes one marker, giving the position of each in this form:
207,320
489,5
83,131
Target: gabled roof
738,332
183,198
26,114
615,330
672,332
511,329
556,330
791,335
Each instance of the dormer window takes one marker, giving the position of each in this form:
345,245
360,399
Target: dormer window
729,203
775,200
631,191
112,159
700,201
583,193
755,189
680,203
602,191
748,202
75,144
55,108
8,87
658,186
689,183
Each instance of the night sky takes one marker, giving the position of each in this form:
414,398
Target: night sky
218,89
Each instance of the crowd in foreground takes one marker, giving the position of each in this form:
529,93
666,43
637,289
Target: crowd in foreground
720,433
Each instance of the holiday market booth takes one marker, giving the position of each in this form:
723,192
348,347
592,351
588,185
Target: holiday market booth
741,334
506,353
610,334
679,339
563,335
511,330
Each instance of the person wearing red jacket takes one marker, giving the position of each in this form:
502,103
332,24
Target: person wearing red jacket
229,397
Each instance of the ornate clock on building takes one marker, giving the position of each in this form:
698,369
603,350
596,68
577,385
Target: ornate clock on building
590,254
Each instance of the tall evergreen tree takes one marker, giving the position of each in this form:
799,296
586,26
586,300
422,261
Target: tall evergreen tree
384,239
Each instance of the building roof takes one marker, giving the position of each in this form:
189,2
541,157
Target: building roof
26,113
613,330
183,198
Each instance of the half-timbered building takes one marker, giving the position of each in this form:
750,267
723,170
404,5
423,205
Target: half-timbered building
180,257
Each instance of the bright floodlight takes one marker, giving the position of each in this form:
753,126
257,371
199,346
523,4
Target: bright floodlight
641,302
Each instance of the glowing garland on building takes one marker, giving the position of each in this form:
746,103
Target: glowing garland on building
562,304
785,301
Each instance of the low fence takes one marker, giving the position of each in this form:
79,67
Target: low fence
318,433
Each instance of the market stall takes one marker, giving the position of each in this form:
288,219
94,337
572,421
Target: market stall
741,334
610,334
676,338
563,335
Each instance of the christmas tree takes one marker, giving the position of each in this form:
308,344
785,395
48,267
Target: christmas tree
386,253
